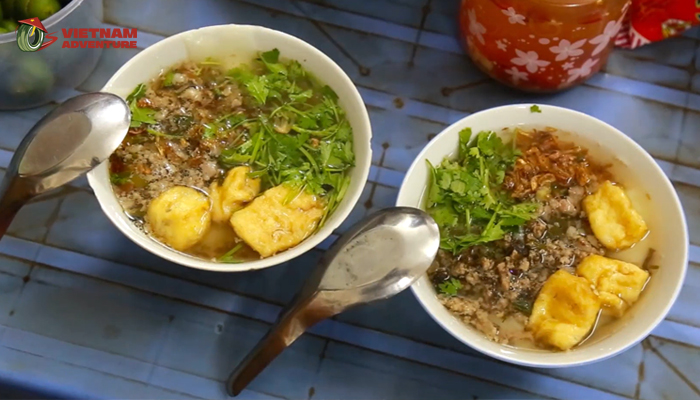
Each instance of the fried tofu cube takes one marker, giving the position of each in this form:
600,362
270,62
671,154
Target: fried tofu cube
275,222
179,217
618,283
218,240
564,312
236,190
615,223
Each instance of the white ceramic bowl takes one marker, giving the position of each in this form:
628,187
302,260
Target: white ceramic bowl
634,168
234,44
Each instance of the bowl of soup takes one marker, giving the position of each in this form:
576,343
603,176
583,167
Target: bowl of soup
247,147
562,240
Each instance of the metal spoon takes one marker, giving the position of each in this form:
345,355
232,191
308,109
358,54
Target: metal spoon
378,258
68,142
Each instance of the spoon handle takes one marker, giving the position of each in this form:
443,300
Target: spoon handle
291,324
13,195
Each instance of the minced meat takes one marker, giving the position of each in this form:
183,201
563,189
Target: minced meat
500,280
182,155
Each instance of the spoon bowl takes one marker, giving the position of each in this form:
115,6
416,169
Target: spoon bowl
386,250
377,258
66,143
72,139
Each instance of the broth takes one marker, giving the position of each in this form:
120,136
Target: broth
233,164
523,221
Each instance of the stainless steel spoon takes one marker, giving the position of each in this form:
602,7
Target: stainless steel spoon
378,258
67,142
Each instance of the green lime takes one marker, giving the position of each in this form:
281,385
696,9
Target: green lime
42,9
20,9
8,24
31,75
8,8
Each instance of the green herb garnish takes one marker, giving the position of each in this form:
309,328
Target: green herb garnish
161,134
271,60
535,109
466,198
137,93
450,287
120,178
224,124
288,127
300,136
228,257
139,115
168,79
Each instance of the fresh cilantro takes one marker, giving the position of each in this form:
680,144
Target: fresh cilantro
210,130
242,74
161,134
258,88
139,115
234,121
271,61
522,210
299,134
289,128
535,109
224,125
465,196
120,178
329,93
137,93
295,70
465,136
301,97
229,256
270,57
168,79
450,287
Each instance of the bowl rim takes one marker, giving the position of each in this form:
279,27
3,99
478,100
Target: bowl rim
157,248
513,355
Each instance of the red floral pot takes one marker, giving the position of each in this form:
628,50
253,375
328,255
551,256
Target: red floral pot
541,45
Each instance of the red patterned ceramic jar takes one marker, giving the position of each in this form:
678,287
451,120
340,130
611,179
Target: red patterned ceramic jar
541,45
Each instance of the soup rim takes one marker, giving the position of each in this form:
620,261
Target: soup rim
340,82
445,144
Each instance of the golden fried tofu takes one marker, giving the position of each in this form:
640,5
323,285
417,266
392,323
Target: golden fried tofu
618,283
179,217
218,239
565,311
238,188
616,224
274,222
